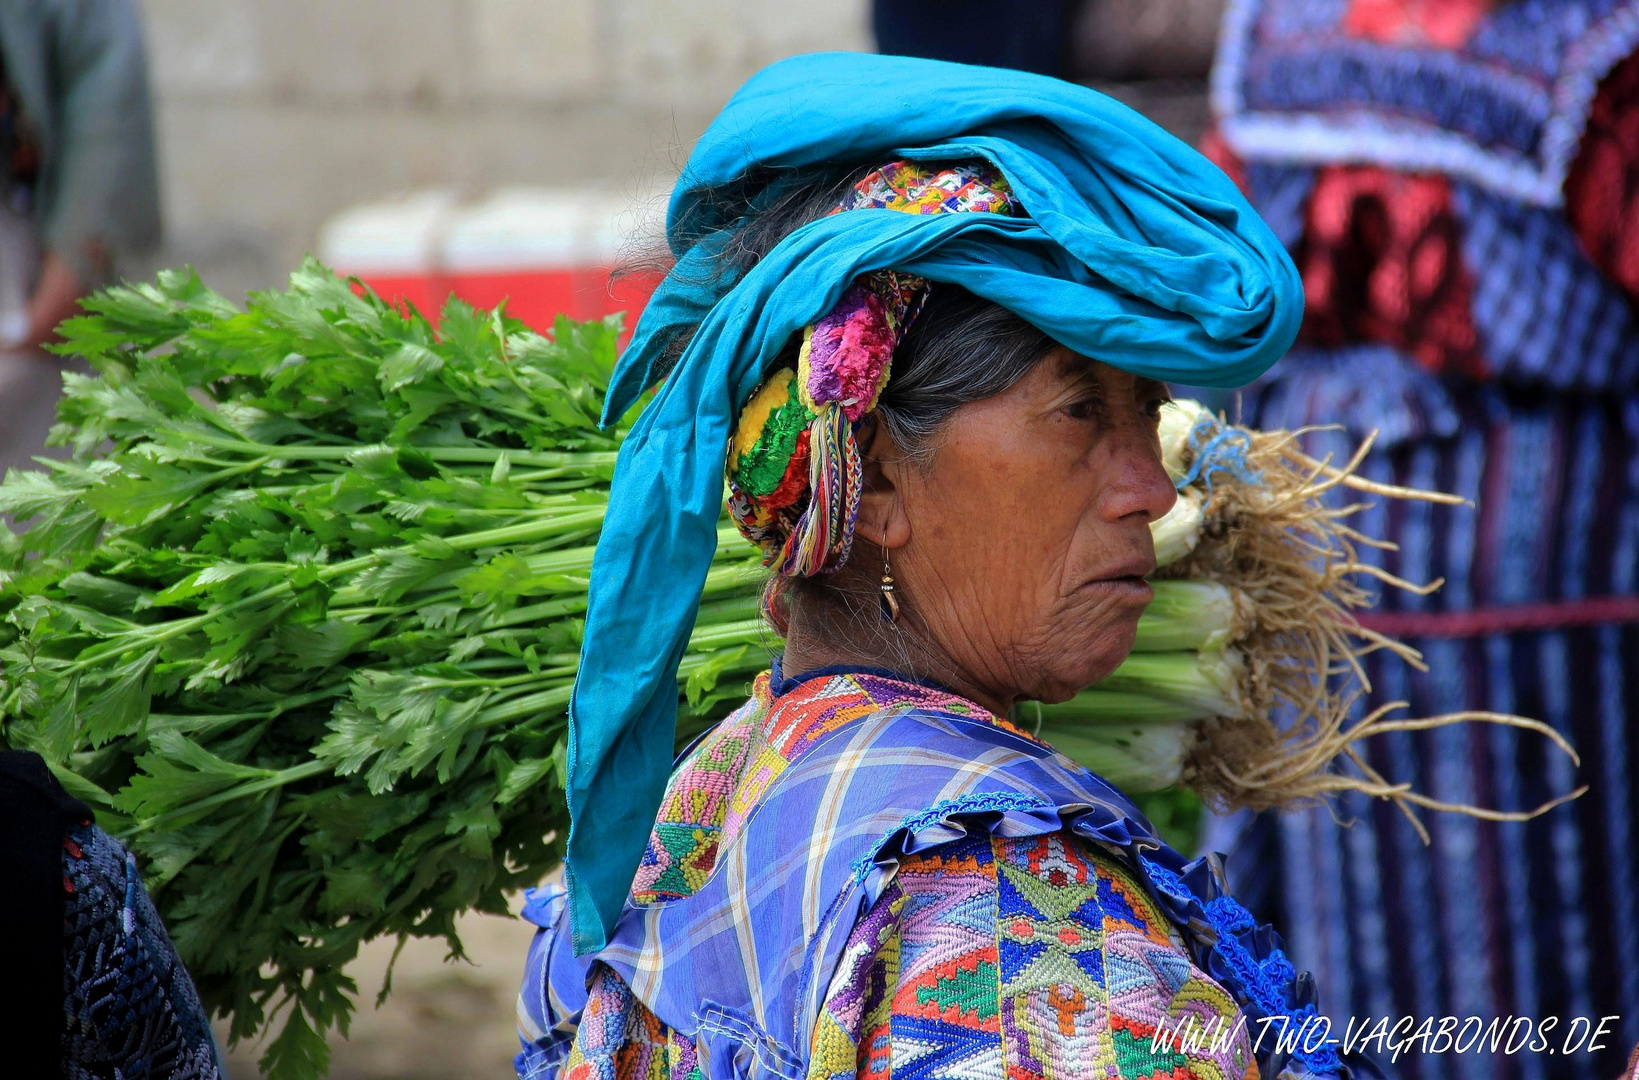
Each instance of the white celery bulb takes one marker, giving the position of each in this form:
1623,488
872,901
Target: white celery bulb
1178,419
1146,758
1179,531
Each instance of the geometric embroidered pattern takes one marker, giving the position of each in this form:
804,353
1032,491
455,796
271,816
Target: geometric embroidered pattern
619,1039
1034,958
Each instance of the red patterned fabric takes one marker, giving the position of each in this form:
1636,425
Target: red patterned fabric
1381,263
1602,190
1445,24
1380,253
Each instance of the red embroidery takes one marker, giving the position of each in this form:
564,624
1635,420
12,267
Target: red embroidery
1602,189
1445,24
1381,262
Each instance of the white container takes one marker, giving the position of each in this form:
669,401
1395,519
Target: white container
541,251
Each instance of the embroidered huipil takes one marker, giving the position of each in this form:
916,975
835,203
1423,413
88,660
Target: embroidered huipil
863,876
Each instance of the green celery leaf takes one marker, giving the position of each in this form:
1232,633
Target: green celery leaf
119,705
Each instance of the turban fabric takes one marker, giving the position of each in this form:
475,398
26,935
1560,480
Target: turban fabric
1134,250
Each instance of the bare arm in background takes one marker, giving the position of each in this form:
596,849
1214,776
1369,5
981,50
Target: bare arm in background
99,191
55,298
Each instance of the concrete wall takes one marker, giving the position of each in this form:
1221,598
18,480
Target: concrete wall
274,114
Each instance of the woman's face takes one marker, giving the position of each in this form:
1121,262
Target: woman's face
1019,551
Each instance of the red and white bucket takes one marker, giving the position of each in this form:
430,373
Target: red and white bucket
543,251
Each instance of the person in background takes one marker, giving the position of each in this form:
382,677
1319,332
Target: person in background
95,986
1458,182
1032,37
79,189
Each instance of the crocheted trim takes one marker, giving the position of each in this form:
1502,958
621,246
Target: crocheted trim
941,813
797,499
1265,983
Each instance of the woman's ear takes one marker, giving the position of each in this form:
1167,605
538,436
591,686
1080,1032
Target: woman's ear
882,516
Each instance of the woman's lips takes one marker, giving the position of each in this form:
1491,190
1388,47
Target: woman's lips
1130,586
1126,578
1135,567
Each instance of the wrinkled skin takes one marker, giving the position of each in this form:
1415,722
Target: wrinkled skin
1018,550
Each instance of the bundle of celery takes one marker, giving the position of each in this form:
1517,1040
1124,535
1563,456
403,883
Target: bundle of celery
1260,575
301,616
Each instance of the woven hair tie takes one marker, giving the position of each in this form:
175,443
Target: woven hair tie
794,470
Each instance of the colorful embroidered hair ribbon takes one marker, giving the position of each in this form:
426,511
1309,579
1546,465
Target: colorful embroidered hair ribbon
794,472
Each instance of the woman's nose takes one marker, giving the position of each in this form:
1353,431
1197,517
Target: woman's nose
1142,486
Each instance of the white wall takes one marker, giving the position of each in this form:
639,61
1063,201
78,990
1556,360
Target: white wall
274,114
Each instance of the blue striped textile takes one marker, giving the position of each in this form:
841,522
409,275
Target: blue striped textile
1538,918
130,1008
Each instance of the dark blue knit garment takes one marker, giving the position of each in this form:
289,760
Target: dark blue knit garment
131,1008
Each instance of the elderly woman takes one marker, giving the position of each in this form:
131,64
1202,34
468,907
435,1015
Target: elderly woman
929,310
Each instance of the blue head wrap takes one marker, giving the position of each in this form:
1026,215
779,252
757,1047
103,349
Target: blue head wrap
1137,252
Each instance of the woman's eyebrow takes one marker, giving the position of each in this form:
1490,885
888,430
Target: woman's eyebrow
1077,371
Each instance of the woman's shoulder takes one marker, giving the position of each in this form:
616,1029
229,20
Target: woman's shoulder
993,946
871,749
846,840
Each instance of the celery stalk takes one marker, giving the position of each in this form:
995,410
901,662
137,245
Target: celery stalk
1100,707
1209,681
1130,758
1191,616
752,631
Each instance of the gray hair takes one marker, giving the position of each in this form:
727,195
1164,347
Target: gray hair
959,349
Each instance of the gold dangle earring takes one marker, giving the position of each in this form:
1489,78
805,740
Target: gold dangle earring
890,606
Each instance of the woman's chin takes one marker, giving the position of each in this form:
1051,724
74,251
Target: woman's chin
1089,664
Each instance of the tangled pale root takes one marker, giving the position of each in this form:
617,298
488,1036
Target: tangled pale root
1297,559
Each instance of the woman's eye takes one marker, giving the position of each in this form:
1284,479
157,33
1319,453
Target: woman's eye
1152,407
1079,410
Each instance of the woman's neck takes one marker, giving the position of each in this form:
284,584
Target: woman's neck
838,626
